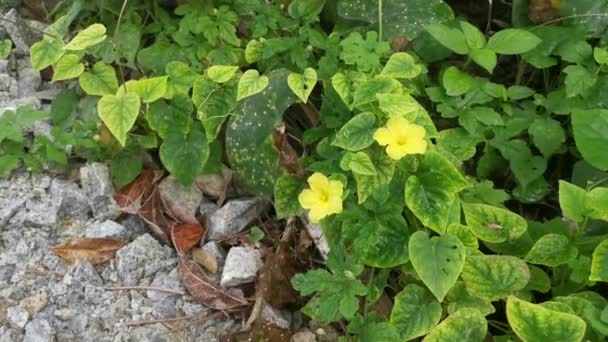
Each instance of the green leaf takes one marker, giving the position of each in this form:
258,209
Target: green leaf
406,106
464,234
68,66
346,84
250,84
185,155
215,102
548,135
359,162
437,260
306,10
512,42
46,52
427,197
493,224
369,185
466,325
591,135
532,322
90,36
401,65
6,45
8,163
539,280
221,73
286,192
368,91
99,81
165,117
552,250
357,133
459,298
415,312
599,263
181,78
148,89
572,201
485,58
596,203
364,53
125,168
256,234
600,55
494,277
302,84
456,82
118,113
578,80
516,92
449,37
373,329
474,37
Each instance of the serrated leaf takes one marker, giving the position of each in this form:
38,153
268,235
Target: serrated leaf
578,80
599,263
492,224
92,35
466,325
99,81
250,84
415,312
68,66
302,84
532,322
46,52
591,135
118,113
512,42
185,155
401,65
148,89
221,73
437,260
357,133
495,277
286,191
6,45
552,250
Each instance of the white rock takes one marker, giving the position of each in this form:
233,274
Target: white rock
106,229
304,336
17,316
143,257
39,330
95,180
233,217
242,265
73,203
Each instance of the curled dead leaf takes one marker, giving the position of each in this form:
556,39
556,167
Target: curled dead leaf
288,157
185,236
96,250
203,258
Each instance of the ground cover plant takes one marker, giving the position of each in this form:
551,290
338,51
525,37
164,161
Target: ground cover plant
455,161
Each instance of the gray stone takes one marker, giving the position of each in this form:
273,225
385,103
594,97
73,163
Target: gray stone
166,281
143,257
4,66
207,208
14,192
29,79
104,208
134,226
217,251
304,336
106,229
73,203
234,216
95,180
5,82
280,318
242,265
152,333
14,26
17,316
41,210
182,202
39,330
85,273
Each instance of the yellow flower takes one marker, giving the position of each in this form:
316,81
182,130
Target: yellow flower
324,197
401,138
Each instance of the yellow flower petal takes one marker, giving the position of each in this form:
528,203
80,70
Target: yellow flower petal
308,199
335,188
318,182
317,214
397,124
334,206
416,132
396,152
416,147
383,136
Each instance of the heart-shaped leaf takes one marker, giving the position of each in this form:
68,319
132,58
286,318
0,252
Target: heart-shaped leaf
90,36
438,261
46,52
465,325
532,322
99,81
251,83
552,250
357,133
492,224
599,263
148,89
119,113
495,276
185,155
68,66
170,116
302,84
401,65
459,298
221,73
416,312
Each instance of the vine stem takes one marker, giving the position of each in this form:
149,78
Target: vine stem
379,20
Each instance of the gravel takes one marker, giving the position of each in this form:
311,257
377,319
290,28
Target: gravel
242,266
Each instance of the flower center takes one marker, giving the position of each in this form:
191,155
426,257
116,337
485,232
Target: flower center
323,196
401,140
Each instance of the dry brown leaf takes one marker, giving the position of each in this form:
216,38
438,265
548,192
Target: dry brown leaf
203,258
130,198
288,157
96,250
152,213
542,11
205,292
185,236
274,280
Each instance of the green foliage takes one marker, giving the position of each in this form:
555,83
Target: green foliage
484,215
